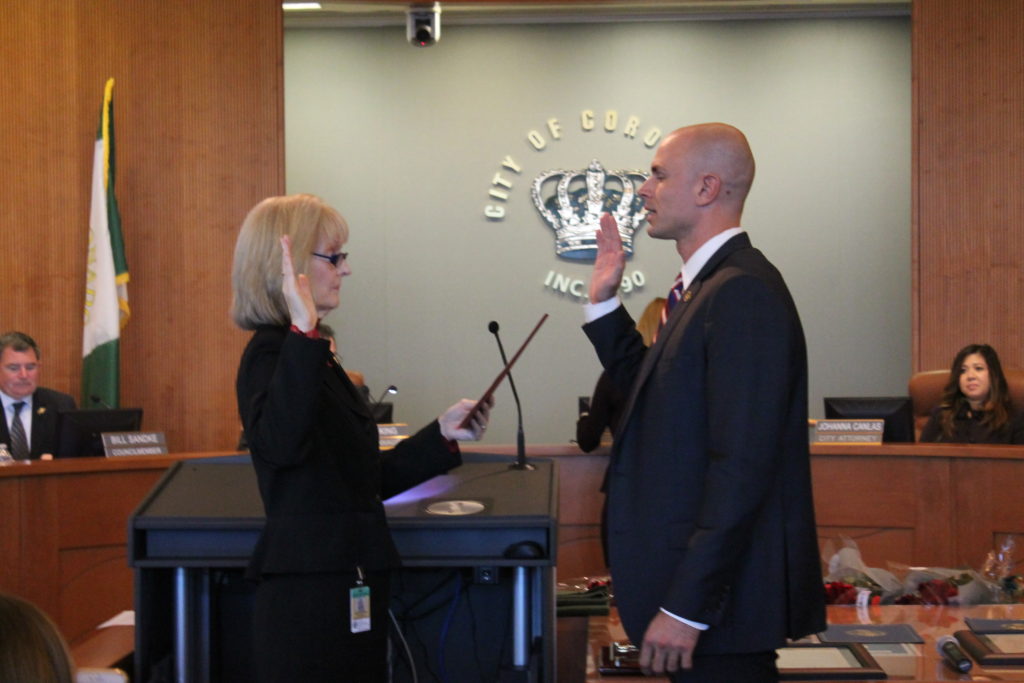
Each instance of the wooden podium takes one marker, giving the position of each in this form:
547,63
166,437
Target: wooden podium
191,538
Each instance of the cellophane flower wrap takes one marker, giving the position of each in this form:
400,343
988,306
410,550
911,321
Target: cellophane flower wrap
849,580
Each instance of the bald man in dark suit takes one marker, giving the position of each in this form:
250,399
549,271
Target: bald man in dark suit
712,541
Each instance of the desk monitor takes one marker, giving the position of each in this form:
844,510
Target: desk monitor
895,410
78,431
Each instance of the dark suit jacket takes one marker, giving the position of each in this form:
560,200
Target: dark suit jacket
709,487
46,403
315,449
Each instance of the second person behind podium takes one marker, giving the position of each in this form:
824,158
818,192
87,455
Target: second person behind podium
607,401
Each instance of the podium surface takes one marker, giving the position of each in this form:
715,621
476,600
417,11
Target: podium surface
203,518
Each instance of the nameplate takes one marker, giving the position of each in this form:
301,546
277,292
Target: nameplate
116,444
849,431
391,433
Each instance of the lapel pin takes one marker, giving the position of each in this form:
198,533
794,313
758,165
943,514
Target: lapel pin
41,410
687,295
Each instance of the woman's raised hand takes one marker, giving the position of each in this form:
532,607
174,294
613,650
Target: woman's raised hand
295,288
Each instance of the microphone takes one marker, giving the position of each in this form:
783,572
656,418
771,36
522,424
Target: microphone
951,653
96,399
392,389
520,463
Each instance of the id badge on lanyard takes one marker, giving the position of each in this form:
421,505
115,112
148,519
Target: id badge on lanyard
359,604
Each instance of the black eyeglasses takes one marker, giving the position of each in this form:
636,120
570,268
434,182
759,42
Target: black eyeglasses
334,259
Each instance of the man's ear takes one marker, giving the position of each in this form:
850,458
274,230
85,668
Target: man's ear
707,191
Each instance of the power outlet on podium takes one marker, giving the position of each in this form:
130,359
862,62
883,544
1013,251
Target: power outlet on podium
485,575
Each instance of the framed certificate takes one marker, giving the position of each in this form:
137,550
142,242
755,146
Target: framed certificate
827,661
797,662
993,649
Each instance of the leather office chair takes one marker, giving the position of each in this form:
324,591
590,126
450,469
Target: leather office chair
925,389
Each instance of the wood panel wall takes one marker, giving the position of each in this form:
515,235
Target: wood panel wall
968,185
199,133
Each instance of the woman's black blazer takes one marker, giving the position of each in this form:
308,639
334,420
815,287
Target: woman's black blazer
321,474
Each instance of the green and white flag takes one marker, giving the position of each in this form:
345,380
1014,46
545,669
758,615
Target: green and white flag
106,273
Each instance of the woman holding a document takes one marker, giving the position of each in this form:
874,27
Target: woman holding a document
324,559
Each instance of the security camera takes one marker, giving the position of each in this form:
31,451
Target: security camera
423,24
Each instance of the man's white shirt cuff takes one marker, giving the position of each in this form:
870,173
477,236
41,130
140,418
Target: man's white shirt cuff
696,624
592,312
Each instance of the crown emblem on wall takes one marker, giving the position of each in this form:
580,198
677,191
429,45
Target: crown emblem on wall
573,202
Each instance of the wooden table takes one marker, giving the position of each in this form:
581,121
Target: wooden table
930,622
104,648
939,505
64,534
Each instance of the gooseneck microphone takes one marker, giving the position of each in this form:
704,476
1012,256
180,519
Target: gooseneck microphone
520,463
391,390
951,653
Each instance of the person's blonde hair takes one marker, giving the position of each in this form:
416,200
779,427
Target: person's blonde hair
256,273
31,647
650,319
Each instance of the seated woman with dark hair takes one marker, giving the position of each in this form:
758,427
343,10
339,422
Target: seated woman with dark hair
976,405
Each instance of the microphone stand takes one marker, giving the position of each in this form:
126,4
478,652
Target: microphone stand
520,463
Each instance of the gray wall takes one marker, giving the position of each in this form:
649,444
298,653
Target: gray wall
405,143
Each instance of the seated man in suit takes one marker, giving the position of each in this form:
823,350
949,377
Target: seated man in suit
29,427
